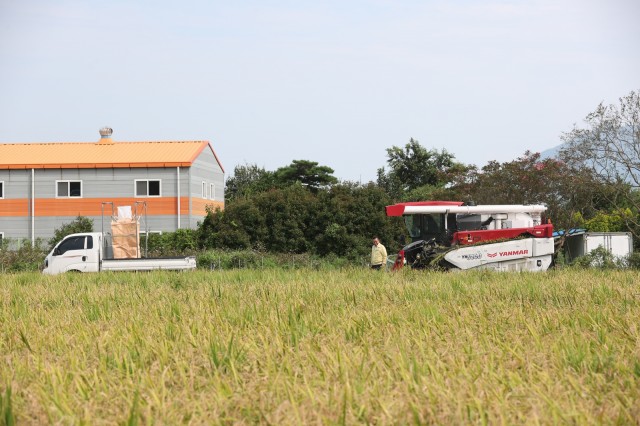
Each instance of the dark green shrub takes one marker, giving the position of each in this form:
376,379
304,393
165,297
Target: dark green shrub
633,260
207,260
599,258
170,244
25,258
251,259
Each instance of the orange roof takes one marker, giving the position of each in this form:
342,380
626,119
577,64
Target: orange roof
104,154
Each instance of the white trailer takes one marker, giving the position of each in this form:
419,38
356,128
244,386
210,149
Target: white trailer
84,253
619,244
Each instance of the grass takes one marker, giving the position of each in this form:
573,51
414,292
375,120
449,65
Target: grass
329,347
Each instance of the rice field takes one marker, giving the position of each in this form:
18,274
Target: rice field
320,347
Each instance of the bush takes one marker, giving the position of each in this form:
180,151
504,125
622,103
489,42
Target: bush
236,259
633,260
251,259
600,258
338,221
25,258
169,244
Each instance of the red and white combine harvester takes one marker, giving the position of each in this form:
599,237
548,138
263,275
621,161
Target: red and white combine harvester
450,235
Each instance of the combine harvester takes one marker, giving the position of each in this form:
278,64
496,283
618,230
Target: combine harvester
452,236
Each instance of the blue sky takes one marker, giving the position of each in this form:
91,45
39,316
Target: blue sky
336,82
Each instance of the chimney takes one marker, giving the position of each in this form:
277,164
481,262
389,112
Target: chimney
105,136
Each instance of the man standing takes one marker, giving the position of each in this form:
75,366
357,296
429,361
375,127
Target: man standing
378,254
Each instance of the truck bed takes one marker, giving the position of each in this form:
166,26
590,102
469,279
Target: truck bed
168,263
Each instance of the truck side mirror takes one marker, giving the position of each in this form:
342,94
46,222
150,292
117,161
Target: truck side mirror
56,251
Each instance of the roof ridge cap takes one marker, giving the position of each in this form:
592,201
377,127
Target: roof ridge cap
94,142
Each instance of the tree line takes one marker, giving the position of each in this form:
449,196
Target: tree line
592,183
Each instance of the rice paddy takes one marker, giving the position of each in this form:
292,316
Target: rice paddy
320,347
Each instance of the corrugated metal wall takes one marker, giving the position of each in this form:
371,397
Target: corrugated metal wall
205,169
100,185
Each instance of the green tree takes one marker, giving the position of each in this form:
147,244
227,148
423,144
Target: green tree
339,220
531,180
289,218
608,222
308,173
461,180
232,227
248,180
80,224
609,146
413,167
279,220
351,214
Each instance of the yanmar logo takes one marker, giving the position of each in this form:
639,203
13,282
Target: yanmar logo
508,253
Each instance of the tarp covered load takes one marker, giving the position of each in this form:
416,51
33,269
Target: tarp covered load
124,236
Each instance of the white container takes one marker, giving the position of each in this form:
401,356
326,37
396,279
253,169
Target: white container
619,244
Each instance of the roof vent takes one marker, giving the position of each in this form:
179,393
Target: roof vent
105,136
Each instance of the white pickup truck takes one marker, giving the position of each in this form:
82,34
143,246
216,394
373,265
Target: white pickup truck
84,253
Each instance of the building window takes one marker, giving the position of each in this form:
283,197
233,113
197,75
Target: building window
212,191
204,190
68,188
1,190
147,188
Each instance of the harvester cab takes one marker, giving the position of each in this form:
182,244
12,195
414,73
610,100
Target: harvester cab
431,226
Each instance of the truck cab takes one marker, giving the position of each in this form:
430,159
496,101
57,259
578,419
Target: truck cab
76,252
